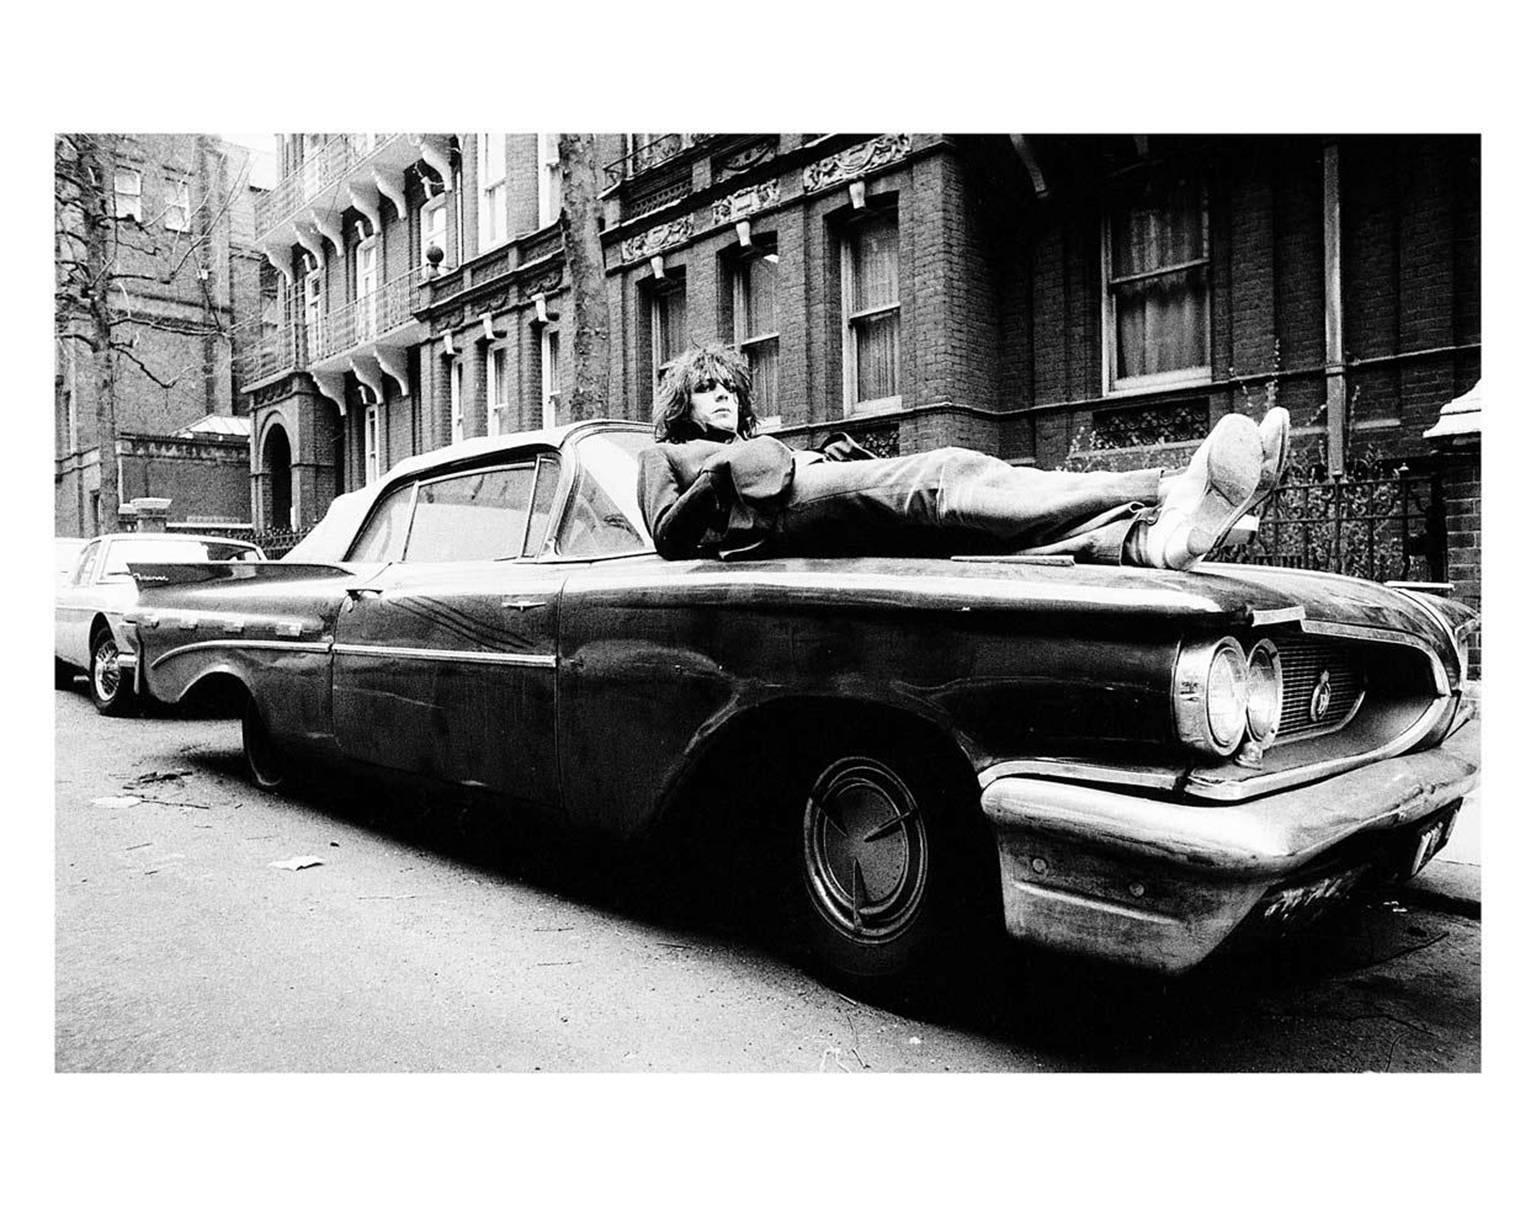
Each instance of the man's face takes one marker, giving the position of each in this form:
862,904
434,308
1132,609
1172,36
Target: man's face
715,407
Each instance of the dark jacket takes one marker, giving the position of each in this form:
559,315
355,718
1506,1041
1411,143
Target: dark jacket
709,496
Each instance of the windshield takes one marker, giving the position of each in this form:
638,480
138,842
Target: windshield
174,549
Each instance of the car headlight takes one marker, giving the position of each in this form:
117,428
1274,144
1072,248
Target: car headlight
1264,692
1210,695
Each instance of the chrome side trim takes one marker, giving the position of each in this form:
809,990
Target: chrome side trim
1278,615
477,656
310,647
1093,773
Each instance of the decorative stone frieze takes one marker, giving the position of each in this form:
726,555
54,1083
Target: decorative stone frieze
544,282
746,158
856,161
744,202
658,239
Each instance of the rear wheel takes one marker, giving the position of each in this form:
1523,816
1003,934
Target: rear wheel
888,867
63,675
111,690
263,761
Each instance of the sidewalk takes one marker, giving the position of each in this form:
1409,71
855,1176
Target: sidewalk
1454,878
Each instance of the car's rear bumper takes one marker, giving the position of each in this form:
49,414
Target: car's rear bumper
1149,882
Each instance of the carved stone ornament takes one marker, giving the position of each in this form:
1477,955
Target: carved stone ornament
658,239
745,201
856,161
747,158
545,282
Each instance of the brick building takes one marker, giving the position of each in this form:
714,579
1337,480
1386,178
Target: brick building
184,265
1058,300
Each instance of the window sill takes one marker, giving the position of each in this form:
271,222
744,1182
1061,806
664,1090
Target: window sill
1161,384
873,406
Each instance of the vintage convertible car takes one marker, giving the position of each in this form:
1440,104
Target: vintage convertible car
1125,763
92,594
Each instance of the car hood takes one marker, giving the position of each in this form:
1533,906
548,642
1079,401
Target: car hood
1213,596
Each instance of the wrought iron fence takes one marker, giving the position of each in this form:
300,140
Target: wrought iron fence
1382,528
275,542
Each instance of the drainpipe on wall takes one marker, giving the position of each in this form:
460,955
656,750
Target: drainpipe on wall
1333,312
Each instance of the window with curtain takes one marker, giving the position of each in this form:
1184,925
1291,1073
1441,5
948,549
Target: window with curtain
754,298
314,296
549,178
871,312
371,454
492,164
456,401
434,228
1157,284
498,390
178,208
549,375
669,324
128,194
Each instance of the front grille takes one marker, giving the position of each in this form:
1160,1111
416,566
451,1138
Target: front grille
1303,662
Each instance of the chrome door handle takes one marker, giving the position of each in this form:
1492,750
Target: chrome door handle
523,605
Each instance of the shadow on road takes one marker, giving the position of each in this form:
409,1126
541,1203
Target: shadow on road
1244,1010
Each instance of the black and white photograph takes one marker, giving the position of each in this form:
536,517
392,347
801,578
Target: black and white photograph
561,605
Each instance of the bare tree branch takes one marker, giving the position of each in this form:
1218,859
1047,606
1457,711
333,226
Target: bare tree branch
127,350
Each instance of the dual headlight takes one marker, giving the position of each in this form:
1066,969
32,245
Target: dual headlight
1221,695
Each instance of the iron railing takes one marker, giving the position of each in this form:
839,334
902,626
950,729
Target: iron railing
263,349
326,165
1383,528
647,156
374,314
275,542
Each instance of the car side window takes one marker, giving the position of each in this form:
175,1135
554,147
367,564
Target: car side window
383,537
87,565
472,517
603,517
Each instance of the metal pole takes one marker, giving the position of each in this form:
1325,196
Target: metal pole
1333,311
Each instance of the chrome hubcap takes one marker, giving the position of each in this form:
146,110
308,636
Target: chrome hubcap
864,849
104,670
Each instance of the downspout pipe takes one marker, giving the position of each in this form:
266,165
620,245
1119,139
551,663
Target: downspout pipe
1333,312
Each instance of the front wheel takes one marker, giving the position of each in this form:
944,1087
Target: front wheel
263,761
111,690
887,865
63,675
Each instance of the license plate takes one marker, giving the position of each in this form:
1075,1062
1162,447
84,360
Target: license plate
1296,903
1431,842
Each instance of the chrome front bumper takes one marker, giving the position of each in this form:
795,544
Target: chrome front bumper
1156,884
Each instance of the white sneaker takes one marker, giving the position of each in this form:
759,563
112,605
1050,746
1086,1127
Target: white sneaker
1209,497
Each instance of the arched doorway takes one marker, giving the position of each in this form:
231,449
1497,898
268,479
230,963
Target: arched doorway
277,465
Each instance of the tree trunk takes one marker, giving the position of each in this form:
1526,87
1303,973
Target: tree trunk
98,155
581,226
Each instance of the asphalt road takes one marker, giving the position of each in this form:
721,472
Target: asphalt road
434,938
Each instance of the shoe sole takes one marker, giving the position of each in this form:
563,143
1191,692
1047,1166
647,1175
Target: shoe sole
1233,476
1269,478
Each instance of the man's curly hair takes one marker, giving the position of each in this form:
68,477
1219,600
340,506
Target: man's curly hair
702,367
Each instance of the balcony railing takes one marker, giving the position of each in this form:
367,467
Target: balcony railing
268,352
649,155
321,170
367,320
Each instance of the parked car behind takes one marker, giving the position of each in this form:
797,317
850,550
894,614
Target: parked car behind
66,555
89,602
1124,763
